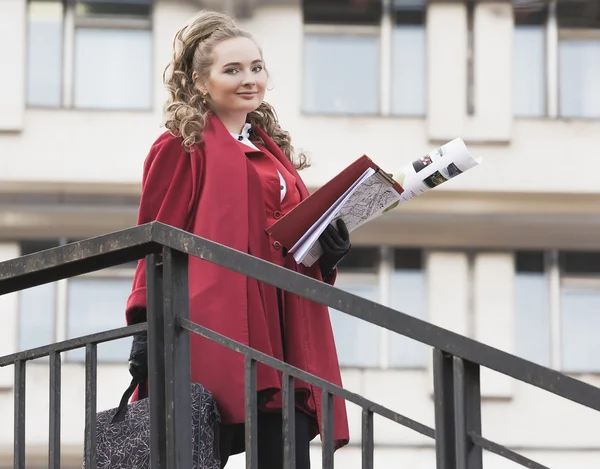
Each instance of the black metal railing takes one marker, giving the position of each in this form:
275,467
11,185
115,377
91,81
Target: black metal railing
456,359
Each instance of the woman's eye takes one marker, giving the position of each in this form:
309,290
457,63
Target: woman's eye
231,71
258,69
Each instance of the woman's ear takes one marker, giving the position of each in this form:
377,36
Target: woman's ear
197,84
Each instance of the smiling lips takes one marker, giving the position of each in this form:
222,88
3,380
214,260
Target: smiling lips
248,94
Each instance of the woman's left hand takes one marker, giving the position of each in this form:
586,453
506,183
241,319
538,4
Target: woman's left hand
335,244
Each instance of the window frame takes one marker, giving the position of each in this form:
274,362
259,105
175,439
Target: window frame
111,273
381,277
336,30
553,36
60,313
571,34
384,32
370,279
556,280
70,23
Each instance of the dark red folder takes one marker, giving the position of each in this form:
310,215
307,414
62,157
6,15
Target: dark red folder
288,229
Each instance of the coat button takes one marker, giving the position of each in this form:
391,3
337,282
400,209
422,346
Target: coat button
277,214
277,245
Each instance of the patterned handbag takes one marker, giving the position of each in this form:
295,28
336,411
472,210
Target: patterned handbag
123,434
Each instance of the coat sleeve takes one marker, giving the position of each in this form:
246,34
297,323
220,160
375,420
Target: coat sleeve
168,194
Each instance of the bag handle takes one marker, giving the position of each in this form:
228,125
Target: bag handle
142,394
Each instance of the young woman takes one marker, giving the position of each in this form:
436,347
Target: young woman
225,170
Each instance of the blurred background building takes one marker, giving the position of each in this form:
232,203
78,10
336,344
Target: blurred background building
508,254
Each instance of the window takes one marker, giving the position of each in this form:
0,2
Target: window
75,307
580,311
409,77
90,54
568,34
579,58
408,294
391,277
529,62
44,59
558,309
370,58
356,340
532,318
338,88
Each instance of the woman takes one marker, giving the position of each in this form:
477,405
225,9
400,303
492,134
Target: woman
224,171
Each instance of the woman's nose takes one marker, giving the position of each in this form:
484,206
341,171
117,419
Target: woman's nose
248,79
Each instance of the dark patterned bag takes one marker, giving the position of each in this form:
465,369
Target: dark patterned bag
123,434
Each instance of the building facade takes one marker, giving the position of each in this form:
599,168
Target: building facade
508,254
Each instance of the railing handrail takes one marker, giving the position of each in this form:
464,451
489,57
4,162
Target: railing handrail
134,243
73,344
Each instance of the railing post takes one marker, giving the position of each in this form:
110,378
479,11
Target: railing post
156,362
289,422
327,424
368,442
19,412
177,360
54,411
91,381
467,408
443,388
251,413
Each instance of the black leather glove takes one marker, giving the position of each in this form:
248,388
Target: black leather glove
138,356
335,244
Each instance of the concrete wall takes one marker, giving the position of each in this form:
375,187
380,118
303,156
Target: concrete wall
519,156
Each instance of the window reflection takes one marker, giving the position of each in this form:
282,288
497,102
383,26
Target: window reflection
44,54
345,90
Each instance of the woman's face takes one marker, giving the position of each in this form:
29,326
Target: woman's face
238,78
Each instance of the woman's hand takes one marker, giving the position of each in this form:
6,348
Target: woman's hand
335,244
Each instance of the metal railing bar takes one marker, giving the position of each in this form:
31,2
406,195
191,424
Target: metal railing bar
131,244
379,315
367,440
156,362
54,411
77,258
327,423
297,373
91,371
19,412
467,413
72,344
443,396
99,252
251,413
289,422
505,452
177,360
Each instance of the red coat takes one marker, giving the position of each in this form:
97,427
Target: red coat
207,193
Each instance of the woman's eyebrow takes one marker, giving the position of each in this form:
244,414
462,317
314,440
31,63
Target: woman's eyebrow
229,64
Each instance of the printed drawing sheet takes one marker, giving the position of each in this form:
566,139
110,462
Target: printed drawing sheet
309,240
366,201
372,194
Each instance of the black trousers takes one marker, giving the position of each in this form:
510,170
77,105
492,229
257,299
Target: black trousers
270,440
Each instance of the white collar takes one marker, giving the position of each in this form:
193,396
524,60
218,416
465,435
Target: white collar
245,135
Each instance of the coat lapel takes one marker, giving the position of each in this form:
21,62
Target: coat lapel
220,144
284,160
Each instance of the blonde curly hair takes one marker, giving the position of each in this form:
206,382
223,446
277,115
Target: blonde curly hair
186,111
